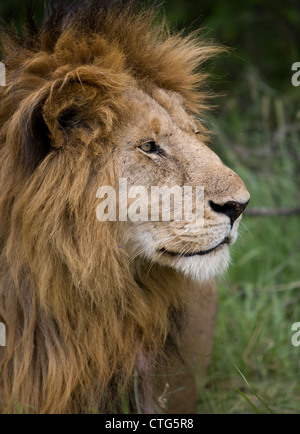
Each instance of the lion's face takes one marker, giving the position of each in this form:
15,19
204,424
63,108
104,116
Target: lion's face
161,146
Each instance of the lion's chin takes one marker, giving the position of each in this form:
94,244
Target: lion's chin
199,267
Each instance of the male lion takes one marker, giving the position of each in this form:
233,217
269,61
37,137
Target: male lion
104,316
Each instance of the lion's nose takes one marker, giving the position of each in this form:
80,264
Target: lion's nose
232,209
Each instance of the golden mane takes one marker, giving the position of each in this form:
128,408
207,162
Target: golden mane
81,324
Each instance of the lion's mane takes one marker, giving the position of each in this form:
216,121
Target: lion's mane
83,329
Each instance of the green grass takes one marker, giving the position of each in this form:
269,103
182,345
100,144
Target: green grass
255,368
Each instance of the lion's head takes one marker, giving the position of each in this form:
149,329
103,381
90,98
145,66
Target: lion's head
166,143
97,95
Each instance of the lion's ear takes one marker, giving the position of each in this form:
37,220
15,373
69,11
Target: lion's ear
67,109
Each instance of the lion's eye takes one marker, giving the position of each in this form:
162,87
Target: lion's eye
149,147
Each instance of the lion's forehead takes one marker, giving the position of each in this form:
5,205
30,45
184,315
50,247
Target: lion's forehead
160,108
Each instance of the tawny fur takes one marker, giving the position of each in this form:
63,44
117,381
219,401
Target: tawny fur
85,320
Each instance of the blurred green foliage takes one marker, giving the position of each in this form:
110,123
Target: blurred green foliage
264,34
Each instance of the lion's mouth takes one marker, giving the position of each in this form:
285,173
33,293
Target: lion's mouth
189,254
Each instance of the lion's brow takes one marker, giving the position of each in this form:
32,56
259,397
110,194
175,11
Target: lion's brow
156,126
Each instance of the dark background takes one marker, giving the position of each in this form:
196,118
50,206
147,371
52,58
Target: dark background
264,33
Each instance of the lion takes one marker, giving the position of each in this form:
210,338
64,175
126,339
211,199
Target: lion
118,314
